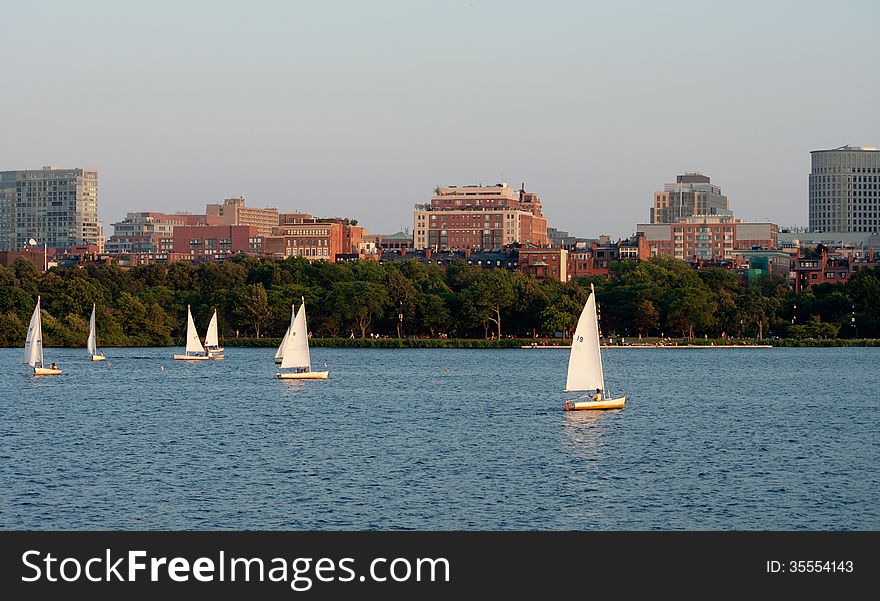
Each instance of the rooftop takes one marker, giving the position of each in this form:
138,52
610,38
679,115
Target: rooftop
850,148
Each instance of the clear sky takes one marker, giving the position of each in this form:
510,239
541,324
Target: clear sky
360,109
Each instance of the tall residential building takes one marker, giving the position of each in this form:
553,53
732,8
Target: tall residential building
479,218
234,212
691,194
56,207
845,190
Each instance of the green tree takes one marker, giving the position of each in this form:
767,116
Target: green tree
255,307
402,297
647,318
498,294
12,330
360,302
433,313
690,307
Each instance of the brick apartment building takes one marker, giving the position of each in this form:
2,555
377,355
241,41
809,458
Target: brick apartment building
479,218
707,238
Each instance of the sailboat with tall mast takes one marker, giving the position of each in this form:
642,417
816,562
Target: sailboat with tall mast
91,343
33,346
585,371
194,349
212,339
295,351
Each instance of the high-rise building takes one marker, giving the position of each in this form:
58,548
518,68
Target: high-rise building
845,190
234,212
55,207
691,194
479,218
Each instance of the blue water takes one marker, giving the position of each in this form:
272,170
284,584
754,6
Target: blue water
710,439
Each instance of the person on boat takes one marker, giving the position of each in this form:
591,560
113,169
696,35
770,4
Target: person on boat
598,395
54,366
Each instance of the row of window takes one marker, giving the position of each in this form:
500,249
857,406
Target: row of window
846,170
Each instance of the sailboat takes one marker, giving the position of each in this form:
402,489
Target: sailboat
194,349
585,364
33,346
295,351
280,352
212,340
91,343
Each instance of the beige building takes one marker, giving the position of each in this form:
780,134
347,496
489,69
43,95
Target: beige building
479,218
56,207
234,212
691,194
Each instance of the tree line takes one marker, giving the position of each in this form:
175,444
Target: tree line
146,305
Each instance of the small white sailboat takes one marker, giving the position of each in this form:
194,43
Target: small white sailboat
33,346
295,350
280,352
194,349
91,343
585,370
212,339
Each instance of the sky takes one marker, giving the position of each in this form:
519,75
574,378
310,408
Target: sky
359,109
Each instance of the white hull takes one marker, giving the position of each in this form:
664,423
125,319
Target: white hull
604,404
192,358
308,375
99,358
46,371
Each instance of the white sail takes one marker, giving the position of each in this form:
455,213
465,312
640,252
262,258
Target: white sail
91,343
280,352
212,339
193,344
585,361
33,347
296,348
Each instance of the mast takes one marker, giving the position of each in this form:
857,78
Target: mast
599,342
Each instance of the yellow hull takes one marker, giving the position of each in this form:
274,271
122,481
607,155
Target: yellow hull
99,358
218,357
309,375
192,358
603,404
45,371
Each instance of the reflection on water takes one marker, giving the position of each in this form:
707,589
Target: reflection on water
441,439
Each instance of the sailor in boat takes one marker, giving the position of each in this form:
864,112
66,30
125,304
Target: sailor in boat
598,395
53,366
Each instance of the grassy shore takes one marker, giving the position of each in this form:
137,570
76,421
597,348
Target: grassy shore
479,343
518,342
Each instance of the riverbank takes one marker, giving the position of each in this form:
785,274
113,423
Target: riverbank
528,343
545,343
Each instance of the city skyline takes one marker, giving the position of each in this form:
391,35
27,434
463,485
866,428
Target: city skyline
339,108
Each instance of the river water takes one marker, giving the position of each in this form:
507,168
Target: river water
710,439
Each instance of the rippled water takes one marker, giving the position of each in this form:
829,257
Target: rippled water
710,439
